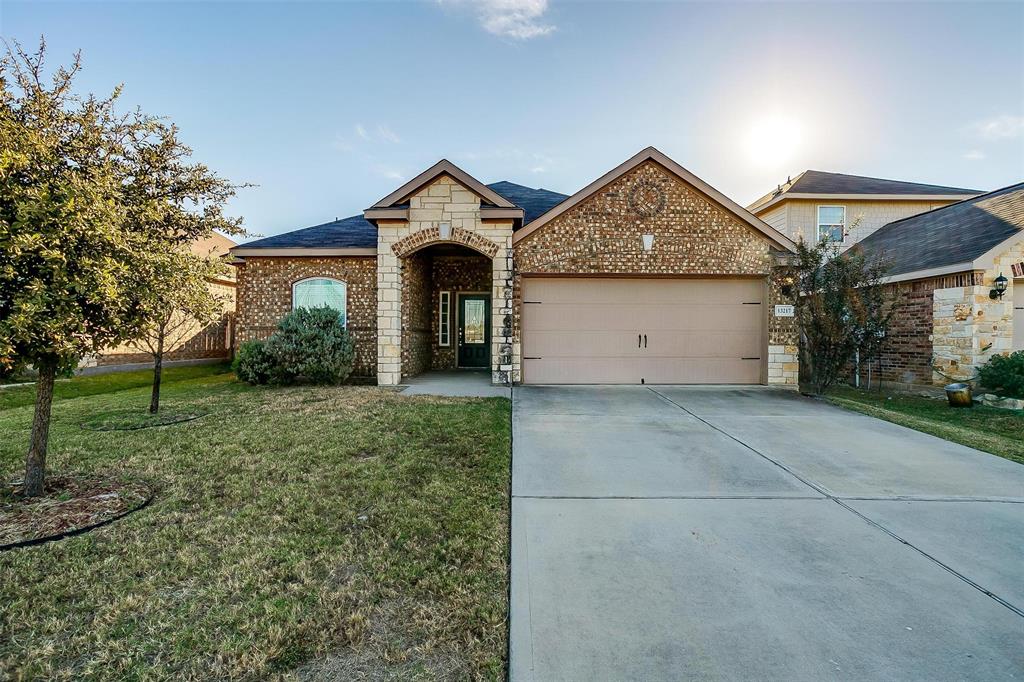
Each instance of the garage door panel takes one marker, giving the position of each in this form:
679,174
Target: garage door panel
588,330
558,344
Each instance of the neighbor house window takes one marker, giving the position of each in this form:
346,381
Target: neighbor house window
320,292
831,223
443,316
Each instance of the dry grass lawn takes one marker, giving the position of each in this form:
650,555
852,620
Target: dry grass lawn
349,532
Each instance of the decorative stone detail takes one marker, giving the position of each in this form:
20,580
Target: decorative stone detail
432,235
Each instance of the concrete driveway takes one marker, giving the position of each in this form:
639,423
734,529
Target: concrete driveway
735,533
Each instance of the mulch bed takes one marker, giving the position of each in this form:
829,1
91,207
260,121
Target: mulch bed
71,504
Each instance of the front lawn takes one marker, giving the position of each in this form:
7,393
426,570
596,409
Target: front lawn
94,384
991,429
346,532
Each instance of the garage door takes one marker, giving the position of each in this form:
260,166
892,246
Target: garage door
655,331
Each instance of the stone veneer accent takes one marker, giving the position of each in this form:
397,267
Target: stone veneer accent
969,327
443,200
265,296
693,236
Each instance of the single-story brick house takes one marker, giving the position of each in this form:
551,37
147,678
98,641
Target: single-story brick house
945,264
646,275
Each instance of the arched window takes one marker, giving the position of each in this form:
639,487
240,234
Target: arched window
319,292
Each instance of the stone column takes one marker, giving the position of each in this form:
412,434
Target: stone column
389,311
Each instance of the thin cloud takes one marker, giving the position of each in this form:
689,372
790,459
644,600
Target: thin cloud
975,155
1000,127
361,132
387,134
515,19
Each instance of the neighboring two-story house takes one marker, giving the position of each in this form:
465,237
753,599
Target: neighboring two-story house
847,208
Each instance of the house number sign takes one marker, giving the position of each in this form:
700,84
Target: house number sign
783,311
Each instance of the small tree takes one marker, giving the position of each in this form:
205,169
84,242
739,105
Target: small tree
180,304
841,305
90,202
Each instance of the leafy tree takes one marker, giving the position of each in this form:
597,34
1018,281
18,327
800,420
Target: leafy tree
91,202
179,304
841,307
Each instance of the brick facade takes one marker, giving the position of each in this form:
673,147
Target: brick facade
265,296
693,236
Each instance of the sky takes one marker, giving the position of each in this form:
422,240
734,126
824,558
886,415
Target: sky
328,106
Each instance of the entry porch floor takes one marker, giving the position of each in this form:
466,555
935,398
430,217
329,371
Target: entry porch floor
466,383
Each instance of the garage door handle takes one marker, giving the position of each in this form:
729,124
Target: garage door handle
645,340
750,358
638,337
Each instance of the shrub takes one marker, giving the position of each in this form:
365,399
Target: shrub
1004,374
252,363
311,343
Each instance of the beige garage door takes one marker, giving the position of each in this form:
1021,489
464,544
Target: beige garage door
656,331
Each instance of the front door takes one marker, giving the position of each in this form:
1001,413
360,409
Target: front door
474,330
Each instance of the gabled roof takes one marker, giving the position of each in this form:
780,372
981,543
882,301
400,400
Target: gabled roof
443,167
821,184
534,202
652,154
953,238
356,232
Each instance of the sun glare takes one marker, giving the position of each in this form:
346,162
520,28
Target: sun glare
773,140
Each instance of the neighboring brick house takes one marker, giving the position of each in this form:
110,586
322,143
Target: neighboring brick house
208,342
945,264
647,275
847,208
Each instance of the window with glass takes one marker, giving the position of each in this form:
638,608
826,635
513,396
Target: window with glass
321,292
443,319
831,223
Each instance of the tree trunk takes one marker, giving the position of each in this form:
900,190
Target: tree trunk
35,461
158,367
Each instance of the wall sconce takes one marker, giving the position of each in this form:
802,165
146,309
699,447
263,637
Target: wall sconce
648,240
787,286
445,230
998,288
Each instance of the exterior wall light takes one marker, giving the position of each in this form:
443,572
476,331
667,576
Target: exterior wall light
648,241
998,288
445,230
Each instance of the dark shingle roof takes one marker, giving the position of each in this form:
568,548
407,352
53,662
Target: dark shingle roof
534,202
821,182
353,232
954,234
357,232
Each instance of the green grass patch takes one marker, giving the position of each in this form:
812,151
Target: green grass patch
985,428
350,531
96,384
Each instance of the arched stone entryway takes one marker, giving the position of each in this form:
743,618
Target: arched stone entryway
446,298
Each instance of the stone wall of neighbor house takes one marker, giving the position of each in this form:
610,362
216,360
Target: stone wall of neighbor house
971,327
265,296
443,200
416,340
692,236
191,342
454,274
802,216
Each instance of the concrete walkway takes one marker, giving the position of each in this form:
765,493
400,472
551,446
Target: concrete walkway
465,383
735,533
